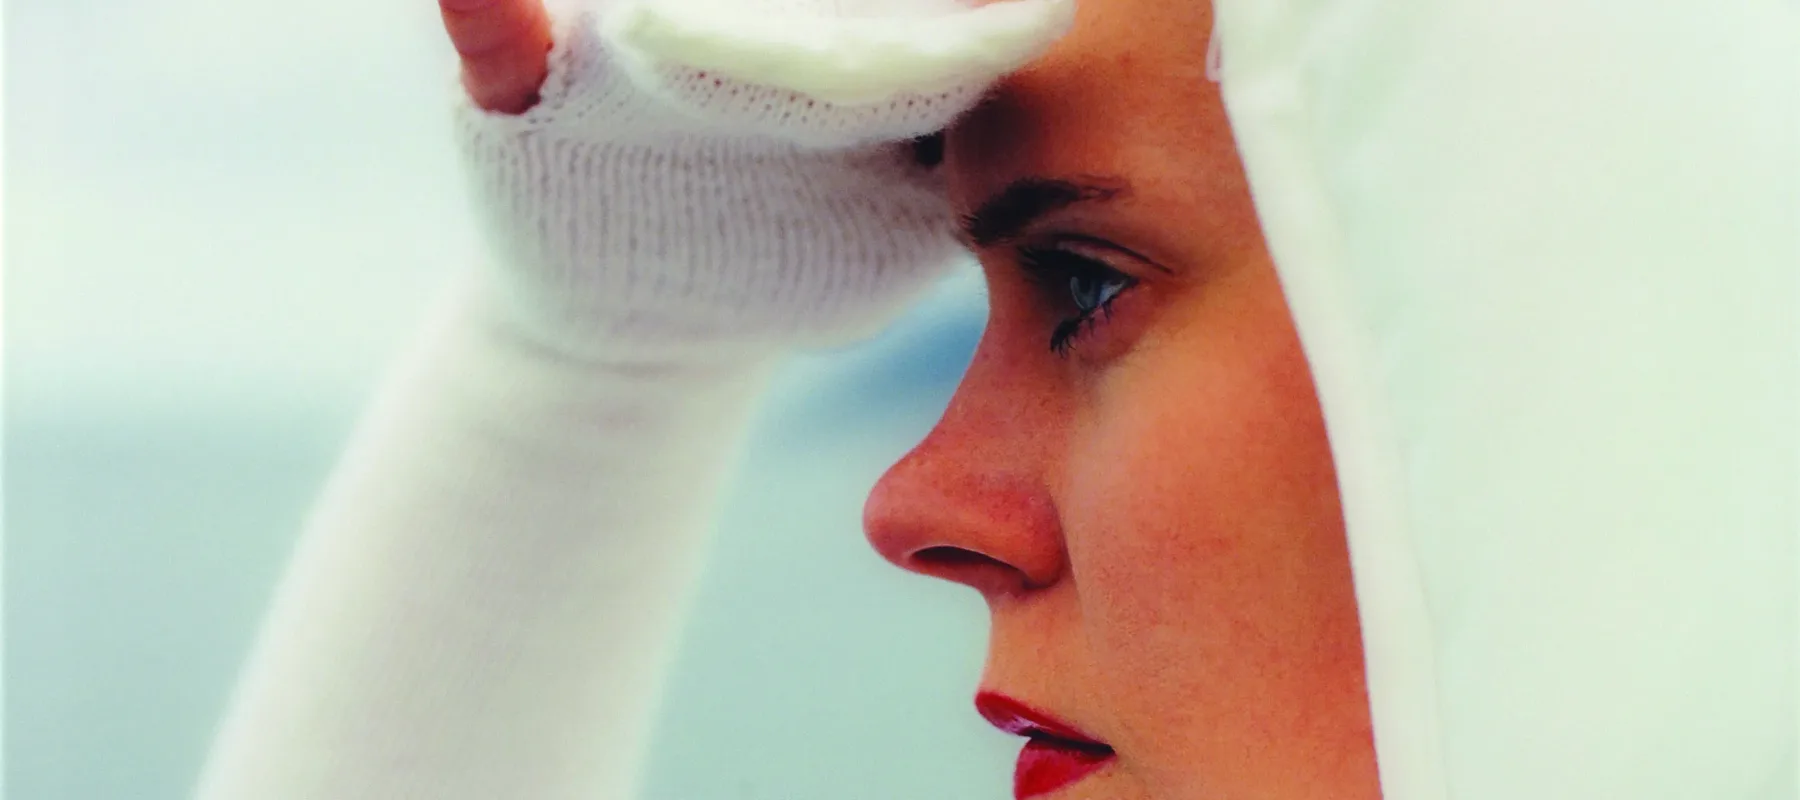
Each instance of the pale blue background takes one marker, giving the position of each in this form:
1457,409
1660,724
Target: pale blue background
222,220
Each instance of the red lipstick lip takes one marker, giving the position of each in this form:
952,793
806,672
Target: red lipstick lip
1057,753
1019,719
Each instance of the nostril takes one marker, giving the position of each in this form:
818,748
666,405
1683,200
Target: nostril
985,574
952,556
950,562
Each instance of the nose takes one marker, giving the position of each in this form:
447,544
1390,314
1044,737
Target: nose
969,503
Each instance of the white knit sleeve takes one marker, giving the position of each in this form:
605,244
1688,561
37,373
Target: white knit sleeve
484,600
483,603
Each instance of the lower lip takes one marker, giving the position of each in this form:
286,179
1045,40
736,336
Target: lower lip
1045,767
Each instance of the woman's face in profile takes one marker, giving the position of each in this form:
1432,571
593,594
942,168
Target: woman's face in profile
1134,471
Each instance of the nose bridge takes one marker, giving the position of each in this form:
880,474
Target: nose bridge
989,418
969,503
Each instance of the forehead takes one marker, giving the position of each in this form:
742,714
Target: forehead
1124,94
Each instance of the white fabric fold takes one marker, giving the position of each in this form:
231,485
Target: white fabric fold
1543,258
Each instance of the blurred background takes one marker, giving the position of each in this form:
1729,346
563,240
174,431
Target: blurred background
224,218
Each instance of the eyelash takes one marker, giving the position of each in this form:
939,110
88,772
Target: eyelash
1059,272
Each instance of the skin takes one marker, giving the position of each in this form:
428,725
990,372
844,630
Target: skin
502,45
1152,518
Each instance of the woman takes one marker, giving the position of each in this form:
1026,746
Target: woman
1134,473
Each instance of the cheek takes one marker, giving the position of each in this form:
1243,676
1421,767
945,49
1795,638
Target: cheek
1187,484
1202,454
1201,517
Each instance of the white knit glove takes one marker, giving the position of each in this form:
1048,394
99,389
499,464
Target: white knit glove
707,174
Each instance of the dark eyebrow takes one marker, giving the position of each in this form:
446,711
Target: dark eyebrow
1005,214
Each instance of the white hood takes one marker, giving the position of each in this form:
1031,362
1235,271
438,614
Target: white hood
1545,261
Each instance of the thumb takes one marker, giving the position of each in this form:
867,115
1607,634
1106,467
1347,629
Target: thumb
504,46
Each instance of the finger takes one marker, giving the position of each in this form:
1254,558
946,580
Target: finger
506,86
504,46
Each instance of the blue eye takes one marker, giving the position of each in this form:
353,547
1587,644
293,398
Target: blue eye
1088,284
1091,293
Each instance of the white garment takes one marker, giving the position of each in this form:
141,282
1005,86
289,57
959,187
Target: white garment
1545,260
484,602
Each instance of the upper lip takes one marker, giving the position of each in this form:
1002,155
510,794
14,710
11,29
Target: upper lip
1019,719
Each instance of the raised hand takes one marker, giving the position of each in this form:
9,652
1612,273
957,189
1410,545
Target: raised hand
706,171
